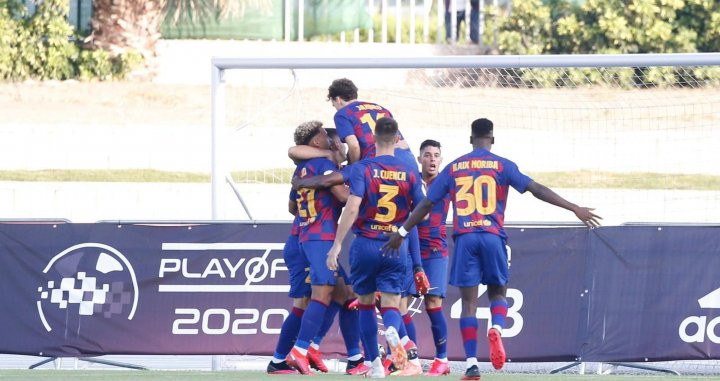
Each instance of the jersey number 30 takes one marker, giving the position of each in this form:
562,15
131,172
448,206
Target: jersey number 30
471,191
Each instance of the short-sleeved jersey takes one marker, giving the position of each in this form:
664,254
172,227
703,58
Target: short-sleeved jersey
358,118
389,190
295,229
431,230
345,172
478,184
318,209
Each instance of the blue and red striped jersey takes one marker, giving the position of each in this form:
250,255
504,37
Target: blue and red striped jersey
431,230
389,190
318,209
358,118
478,184
295,229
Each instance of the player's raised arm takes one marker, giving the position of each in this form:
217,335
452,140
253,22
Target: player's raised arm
541,192
353,148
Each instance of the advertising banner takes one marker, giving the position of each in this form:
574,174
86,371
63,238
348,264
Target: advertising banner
608,294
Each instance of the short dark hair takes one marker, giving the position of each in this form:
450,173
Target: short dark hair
481,128
386,129
343,88
430,143
332,132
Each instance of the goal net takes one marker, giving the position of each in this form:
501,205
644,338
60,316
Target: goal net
634,136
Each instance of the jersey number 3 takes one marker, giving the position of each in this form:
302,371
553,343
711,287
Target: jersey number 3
386,202
471,191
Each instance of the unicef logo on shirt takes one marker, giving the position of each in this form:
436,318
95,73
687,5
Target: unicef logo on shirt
88,280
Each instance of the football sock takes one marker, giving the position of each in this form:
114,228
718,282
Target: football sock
468,329
350,329
288,334
391,318
438,326
328,320
410,327
470,362
498,310
368,330
311,321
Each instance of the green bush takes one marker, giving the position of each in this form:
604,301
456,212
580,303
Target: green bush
43,46
610,26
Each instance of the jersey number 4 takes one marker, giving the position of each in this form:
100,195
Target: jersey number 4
472,190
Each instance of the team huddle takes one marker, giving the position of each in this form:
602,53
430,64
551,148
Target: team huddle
397,213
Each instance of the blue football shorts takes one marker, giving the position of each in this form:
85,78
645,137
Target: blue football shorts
316,254
371,270
298,268
479,258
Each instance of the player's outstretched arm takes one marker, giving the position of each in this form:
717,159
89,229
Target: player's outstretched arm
417,215
315,182
302,152
347,218
541,192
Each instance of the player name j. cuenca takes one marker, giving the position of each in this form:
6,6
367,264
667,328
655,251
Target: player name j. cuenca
390,175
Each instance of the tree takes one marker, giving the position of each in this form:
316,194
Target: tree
121,25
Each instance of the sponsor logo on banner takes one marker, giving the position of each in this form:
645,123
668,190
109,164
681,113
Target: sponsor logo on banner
217,268
515,301
483,313
89,279
694,329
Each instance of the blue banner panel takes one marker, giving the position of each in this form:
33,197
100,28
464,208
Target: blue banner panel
655,294
88,289
610,294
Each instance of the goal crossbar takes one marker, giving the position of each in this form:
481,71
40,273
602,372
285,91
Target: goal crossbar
500,61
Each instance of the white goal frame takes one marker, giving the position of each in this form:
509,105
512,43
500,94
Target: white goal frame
220,65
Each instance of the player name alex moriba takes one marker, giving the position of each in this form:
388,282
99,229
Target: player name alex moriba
475,164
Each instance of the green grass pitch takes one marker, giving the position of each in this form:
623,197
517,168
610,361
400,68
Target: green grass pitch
153,375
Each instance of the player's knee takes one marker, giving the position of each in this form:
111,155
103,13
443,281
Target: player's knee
496,292
301,303
322,293
433,301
